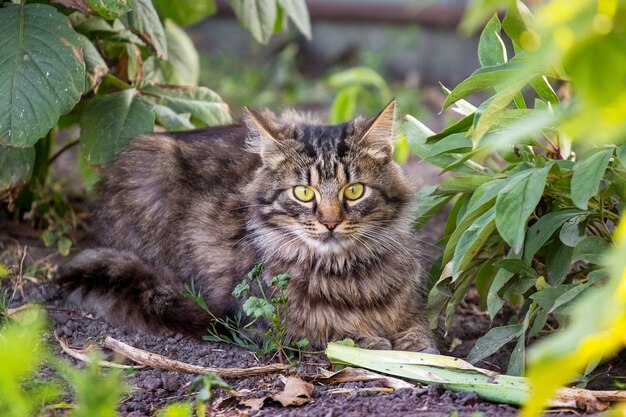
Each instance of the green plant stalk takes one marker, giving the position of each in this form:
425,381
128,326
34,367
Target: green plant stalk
435,369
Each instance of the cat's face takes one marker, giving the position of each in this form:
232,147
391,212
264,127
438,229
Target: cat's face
328,187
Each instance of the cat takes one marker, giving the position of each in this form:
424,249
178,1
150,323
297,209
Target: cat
326,204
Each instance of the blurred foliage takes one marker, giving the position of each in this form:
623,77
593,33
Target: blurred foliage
539,187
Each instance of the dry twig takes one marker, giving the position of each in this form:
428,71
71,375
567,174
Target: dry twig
154,360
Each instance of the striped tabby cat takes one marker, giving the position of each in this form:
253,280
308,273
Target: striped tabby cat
326,204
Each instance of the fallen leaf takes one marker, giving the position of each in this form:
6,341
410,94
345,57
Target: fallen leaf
296,392
254,403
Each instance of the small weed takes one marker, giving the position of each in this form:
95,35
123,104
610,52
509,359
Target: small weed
206,386
258,309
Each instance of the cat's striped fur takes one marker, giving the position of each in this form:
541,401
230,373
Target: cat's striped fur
209,204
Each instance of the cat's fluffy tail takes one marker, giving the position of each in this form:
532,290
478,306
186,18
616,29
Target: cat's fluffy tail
131,293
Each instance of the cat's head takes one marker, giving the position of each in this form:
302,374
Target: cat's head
325,188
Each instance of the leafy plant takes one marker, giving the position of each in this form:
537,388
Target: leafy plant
206,385
265,308
116,68
539,186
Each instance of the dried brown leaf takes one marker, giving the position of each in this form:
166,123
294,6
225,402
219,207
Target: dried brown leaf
296,392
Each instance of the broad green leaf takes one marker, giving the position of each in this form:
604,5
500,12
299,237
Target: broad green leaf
258,16
496,106
558,261
544,89
461,286
515,23
572,232
438,297
297,11
472,240
518,355
427,205
591,249
539,233
416,134
182,56
516,202
494,303
456,142
588,174
516,266
576,289
457,210
110,122
465,223
170,120
42,71
491,49
484,194
258,307
110,9
461,184
461,126
620,152
205,107
144,22
493,76
185,12
95,67
344,104
462,107
493,341
16,165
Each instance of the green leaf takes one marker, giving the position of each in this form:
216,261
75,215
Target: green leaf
456,142
170,120
206,107
64,244
588,174
484,194
297,11
558,261
572,232
544,89
427,205
144,22
495,107
258,307
493,341
471,241
281,280
516,266
95,67
516,202
493,76
344,104
182,56
516,362
438,297
110,9
16,165
491,49
465,223
258,16
494,303
185,12
620,152
591,249
4,271
110,122
240,289
461,126
461,184
42,71
539,233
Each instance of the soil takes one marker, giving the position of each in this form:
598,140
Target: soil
154,388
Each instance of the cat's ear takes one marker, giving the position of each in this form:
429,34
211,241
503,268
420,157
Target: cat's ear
264,136
378,133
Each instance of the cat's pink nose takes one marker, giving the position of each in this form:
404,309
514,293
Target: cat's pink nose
330,223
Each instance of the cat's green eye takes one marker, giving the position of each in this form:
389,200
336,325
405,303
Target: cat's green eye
303,193
354,191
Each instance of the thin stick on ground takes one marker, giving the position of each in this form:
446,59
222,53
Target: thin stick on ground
83,355
154,360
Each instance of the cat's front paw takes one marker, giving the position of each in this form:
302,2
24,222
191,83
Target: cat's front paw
416,339
373,342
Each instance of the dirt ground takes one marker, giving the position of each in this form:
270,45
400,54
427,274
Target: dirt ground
154,388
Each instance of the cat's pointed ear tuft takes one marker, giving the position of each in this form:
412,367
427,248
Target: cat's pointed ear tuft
263,137
378,134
